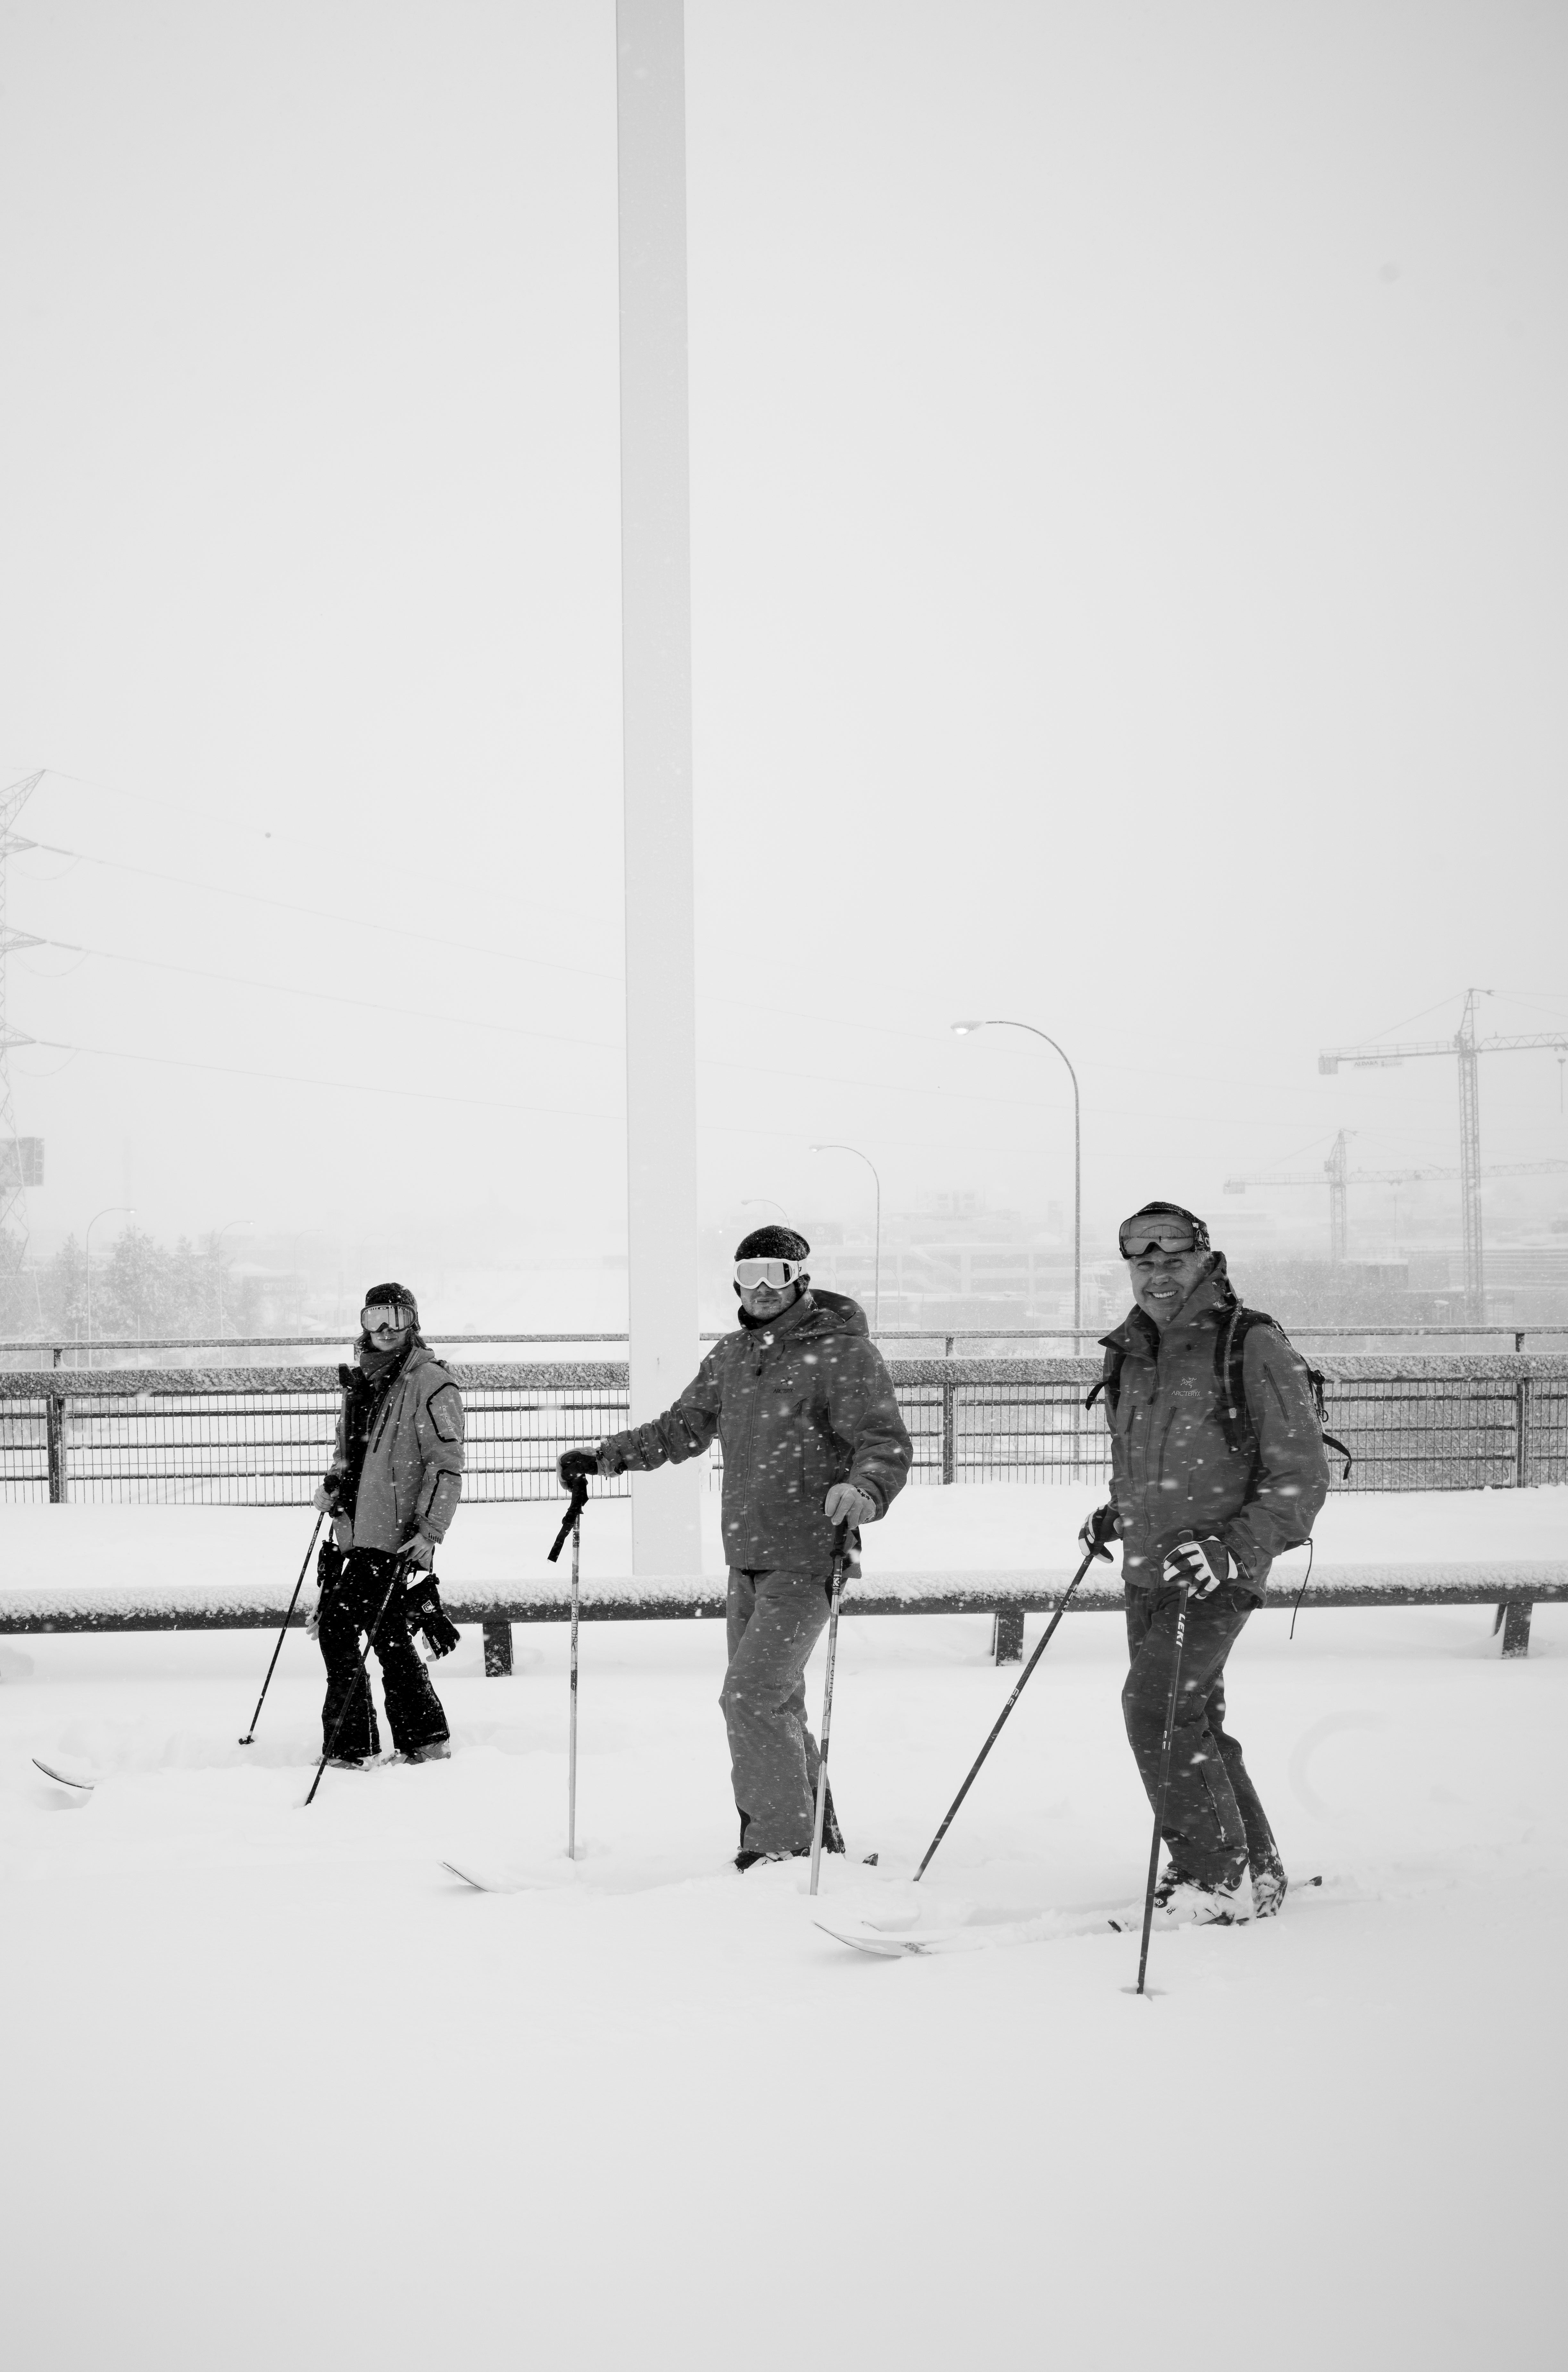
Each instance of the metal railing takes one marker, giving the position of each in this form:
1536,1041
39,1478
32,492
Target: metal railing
75,1354
262,1436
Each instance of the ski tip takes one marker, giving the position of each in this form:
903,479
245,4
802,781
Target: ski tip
62,1777
480,1884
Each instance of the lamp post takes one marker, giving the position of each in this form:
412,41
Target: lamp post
966,1029
765,1202
106,1212
877,1272
218,1255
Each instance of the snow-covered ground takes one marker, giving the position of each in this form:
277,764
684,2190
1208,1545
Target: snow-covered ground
280,2092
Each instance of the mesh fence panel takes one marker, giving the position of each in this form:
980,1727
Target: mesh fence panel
168,1439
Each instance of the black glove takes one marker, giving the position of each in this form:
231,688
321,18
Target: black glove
576,1466
422,1607
1201,1564
1098,1532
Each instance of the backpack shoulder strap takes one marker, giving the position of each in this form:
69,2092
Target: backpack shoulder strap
1235,1417
1110,1379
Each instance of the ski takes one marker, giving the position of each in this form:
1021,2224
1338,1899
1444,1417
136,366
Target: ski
892,1942
76,1779
1129,1922
491,1883
493,1880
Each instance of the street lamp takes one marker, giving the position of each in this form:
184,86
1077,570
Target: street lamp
218,1255
877,1273
106,1212
966,1029
765,1202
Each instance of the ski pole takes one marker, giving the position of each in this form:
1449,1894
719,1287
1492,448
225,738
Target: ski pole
362,1675
840,1562
249,1736
1164,1788
572,1522
996,1730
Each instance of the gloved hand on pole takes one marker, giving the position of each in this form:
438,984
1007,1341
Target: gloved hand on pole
1198,1566
845,1505
1098,1532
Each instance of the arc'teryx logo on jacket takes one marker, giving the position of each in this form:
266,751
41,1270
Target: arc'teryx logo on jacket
1172,1468
798,1404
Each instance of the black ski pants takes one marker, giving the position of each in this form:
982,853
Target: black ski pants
1214,1824
354,1590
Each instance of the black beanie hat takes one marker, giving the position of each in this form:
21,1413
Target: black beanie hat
773,1243
395,1297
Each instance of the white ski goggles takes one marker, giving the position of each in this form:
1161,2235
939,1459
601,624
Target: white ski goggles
749,1274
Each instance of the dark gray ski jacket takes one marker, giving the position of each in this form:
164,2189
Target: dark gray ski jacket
1172,1467
798,1404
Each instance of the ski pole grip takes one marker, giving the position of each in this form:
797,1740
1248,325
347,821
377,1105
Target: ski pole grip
578,1501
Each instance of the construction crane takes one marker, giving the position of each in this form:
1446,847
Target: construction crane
1337,1175
1467,1049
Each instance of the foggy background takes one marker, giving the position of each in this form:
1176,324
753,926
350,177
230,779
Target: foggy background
1128,524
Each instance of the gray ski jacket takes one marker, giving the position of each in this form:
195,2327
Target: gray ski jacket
798,1405
412,1477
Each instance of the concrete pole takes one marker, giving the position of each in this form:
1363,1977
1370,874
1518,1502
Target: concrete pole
661,1005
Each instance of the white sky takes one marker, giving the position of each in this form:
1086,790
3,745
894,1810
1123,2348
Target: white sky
1128,540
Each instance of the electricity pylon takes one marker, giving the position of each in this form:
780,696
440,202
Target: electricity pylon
13,1180
1467,1047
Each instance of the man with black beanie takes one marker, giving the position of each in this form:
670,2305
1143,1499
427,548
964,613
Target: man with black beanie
392,1489
814,1447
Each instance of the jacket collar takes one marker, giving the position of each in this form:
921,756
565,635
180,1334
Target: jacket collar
762,1330
1214,1297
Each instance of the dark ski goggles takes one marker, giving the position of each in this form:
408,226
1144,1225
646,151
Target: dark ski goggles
749,1274
1139,1237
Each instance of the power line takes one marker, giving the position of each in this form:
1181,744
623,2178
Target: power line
362,856
326,996
323,914
299,1079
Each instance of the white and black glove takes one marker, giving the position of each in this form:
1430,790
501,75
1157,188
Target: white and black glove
425,1612
845,1505
1098,1532
1200,1565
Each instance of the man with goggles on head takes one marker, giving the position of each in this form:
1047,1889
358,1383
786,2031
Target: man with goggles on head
1203,1496
813,1447
392,1489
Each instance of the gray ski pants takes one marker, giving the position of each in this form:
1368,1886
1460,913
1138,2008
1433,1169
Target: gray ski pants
773,1620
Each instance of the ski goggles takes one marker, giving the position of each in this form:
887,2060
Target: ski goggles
382,1318
1139,1237
749,1274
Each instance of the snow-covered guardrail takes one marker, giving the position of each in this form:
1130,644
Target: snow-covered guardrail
1514,1587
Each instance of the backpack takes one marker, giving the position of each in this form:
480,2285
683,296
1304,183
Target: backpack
1230,1344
